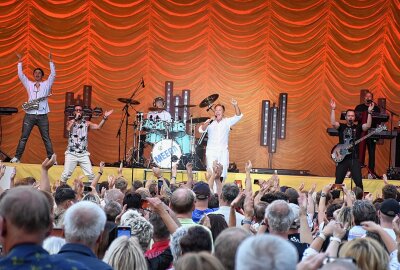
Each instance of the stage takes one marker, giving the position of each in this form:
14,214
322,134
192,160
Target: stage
34,170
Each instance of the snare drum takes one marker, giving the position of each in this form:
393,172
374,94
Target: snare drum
184,143
178,129
163,152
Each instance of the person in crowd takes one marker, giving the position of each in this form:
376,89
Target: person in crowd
279,216
121,184
174,243
125,253
363,210
159,256
83,226
36,114
25,221
53,244
215,222
197,239
349,133
198,261
64,197
266,251
140,227
218,129
77,150
112,209
229,193
389,191
390,208
232,238
203,193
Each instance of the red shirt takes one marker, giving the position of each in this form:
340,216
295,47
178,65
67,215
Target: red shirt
157,249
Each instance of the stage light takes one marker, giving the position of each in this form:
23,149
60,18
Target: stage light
186,101
273,129
265,110
169,98
176,112
283,101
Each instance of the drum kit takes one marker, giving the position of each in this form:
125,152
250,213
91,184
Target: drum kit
171,142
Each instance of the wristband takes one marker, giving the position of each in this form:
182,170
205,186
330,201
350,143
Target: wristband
245,221
105,117
337,239
322,236
100,173
369,112
323,195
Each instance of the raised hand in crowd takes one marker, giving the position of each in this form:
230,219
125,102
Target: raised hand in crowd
312,262
118,217
120,168
97,177
248,184
46,165
2,169
301,187
111,181
165,213
156,172
78,186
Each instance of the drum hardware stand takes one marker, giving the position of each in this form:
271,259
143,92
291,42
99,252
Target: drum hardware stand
125,118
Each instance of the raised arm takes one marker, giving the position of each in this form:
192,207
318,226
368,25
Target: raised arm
46,165
102,122
236,106
334,123
21,74
52,75
368,124
248,185
98,176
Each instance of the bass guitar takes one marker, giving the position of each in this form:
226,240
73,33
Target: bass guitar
340,151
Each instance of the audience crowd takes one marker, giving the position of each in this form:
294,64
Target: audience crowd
211,224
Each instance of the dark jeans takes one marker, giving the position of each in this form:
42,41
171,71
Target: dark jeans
42,122
355,168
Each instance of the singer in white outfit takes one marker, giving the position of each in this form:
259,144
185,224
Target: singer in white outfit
77,149
218,129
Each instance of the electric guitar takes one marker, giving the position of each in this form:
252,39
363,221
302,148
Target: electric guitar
33,104
340,151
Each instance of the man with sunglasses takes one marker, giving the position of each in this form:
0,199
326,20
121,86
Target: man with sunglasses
77,150
37,90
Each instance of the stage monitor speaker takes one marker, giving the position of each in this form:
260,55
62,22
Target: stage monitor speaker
395,158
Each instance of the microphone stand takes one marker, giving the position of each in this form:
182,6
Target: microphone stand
125,118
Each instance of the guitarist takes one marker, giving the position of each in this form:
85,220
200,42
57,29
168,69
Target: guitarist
36,89
349,133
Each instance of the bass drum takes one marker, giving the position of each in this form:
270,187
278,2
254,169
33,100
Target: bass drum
164,151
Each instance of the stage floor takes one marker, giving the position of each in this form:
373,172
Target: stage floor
25,170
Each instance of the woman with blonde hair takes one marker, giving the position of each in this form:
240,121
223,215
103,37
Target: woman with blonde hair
125,253
367,252
198,261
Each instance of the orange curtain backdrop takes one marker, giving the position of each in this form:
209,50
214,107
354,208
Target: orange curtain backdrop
248,50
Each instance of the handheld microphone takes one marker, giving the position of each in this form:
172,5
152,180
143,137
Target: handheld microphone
351,122
370,101
142,82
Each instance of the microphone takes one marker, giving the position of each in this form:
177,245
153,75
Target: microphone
370,101
142,82
351,122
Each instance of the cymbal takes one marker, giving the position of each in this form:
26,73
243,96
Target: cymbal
185,106
128,101
155,109
208,100
197,120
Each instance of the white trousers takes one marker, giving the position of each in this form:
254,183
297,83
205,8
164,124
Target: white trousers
220,155
71,161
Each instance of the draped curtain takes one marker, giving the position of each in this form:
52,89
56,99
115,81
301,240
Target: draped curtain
314,50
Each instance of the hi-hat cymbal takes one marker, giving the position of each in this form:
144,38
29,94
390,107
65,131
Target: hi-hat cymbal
128,101
208,101
197,120
184,106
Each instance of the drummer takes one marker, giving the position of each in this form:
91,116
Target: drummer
159,112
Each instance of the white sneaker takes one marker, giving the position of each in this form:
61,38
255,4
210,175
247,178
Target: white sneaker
15,160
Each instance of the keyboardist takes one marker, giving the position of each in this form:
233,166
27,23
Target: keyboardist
362,110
